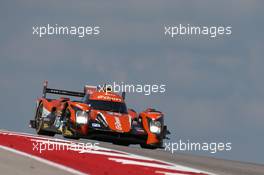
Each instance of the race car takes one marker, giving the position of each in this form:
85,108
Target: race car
98,114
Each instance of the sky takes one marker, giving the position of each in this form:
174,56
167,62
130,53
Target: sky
214,86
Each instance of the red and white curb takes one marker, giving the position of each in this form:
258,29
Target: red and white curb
72,157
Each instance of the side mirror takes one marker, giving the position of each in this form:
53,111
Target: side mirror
124,95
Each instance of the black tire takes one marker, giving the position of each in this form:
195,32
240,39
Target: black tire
39,122
146,146
121,143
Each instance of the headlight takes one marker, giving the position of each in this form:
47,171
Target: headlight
81,117
155,126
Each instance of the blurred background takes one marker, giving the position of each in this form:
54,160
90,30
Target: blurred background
214,86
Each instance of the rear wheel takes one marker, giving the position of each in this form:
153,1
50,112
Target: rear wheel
39,122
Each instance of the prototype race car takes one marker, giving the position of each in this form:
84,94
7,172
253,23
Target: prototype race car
100,114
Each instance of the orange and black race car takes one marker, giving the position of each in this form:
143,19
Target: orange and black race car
98,114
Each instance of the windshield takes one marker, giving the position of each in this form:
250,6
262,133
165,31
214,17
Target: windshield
108,106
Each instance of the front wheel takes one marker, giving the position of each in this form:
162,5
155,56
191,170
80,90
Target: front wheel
66,131
121,143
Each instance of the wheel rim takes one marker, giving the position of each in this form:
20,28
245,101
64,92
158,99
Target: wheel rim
38,117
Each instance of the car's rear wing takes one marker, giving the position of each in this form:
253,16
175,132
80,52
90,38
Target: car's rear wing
47,90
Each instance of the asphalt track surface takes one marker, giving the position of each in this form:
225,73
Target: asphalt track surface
13,163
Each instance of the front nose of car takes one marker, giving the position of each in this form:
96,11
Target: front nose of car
117,122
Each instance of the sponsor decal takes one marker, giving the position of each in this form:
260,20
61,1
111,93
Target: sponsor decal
118,123
108,98
114,113
96,125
